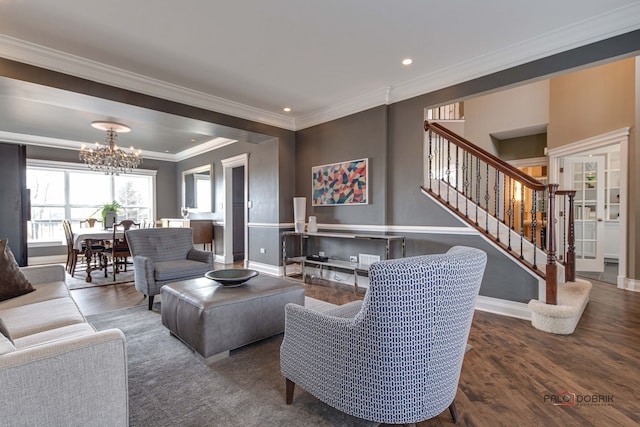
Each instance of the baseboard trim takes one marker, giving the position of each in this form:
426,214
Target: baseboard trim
273,270
519,310
50,259
632,285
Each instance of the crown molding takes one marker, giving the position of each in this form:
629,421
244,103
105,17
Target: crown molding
33,54
350,106
609,24
601,27
213,144
591,143
66,144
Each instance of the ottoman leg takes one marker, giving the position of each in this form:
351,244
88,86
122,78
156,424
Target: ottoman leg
150,302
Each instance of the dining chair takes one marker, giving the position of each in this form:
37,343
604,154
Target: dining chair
119,251
89,222
74,254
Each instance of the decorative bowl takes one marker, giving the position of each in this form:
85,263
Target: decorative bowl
231,276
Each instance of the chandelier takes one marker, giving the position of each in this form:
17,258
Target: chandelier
109,158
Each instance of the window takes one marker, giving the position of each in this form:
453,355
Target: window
203,191
453,111
67,190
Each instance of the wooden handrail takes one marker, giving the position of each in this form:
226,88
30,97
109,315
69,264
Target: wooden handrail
486,157
462,168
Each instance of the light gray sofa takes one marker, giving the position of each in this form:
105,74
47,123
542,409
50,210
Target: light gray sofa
165,255
62,371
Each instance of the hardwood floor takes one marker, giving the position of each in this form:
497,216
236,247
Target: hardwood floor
513,370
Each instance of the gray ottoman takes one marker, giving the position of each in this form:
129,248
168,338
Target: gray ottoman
212,319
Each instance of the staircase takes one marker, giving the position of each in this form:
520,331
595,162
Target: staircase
524,217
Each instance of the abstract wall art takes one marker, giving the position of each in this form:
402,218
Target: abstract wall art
342,183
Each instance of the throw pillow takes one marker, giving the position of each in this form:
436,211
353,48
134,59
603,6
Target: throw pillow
6,344
12,281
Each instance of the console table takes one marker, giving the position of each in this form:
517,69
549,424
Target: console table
356,267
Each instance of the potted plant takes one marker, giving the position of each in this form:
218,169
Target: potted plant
111,208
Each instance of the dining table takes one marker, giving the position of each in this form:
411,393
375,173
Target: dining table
87,238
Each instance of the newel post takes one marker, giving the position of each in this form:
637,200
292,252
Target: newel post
570,265
551,268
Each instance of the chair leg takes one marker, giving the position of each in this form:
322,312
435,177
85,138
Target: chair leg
150,302
454,412
74,261
289,393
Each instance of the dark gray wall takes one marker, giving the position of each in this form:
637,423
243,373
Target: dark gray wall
264,189
397,137
402,177
391,136
406,205
349,138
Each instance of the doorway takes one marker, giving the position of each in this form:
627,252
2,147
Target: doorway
236,190
585,175
599,215
237,196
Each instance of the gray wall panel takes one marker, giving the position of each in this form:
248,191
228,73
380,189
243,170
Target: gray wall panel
269,239
406,204
287,170
349,138
503,277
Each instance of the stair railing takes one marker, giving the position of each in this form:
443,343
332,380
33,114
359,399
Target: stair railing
514,210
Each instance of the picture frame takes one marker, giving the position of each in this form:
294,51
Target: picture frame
340,184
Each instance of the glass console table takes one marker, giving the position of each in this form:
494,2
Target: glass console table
355,267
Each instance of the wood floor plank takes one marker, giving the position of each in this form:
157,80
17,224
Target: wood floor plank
513,366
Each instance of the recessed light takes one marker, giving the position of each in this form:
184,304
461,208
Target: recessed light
407,61
166,151
193,140
286,109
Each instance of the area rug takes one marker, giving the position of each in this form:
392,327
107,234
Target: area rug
97,278
169,385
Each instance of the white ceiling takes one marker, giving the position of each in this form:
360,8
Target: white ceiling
250,58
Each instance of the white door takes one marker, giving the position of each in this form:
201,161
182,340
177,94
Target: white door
586,176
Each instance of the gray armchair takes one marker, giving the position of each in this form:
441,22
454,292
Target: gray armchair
165,255
395,357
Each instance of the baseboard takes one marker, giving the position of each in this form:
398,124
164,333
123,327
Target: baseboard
632,285
518,310
51,259
219,259
273,270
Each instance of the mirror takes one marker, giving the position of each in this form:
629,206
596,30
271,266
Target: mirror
196,189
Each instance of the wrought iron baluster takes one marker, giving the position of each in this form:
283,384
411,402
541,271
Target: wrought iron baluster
510,205
430,137
478,180
496,190
465,174
534,223
486,201
563,218
448,171
439,157
521,221
457,178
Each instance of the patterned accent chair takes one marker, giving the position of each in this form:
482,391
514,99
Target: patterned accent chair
395,357
165,255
